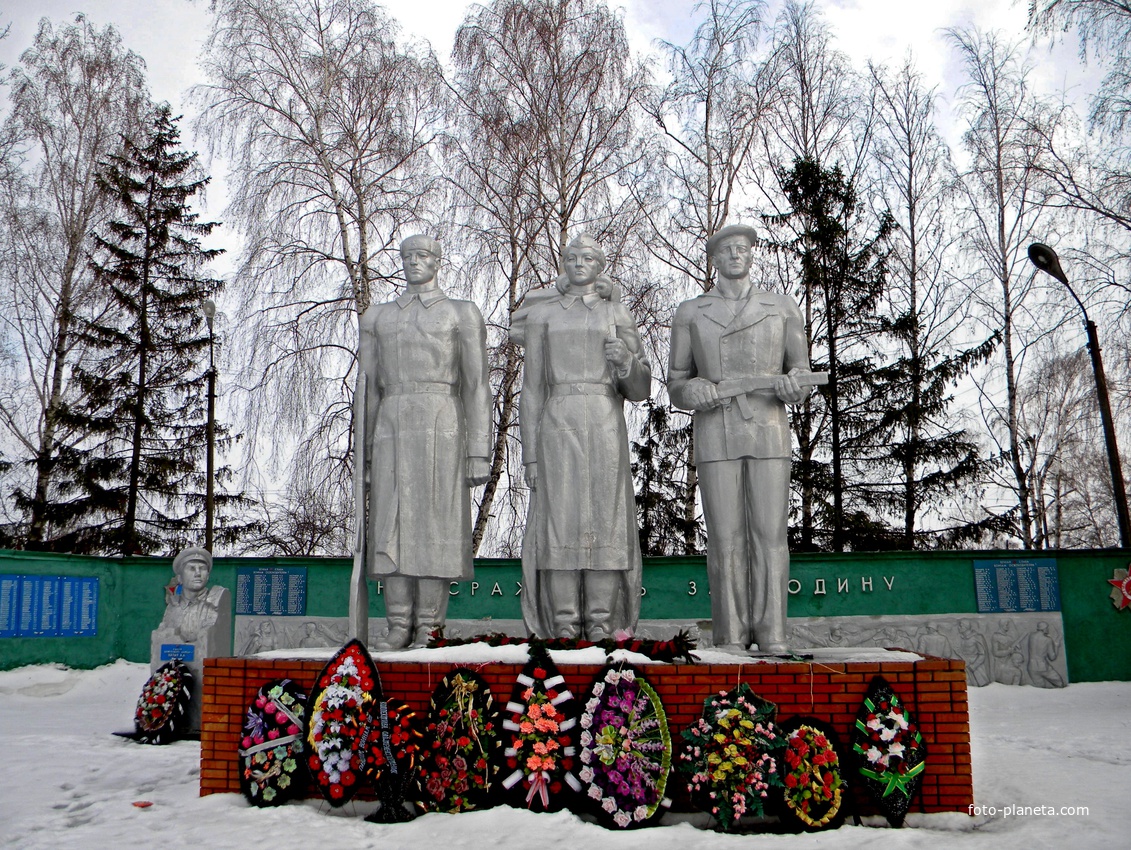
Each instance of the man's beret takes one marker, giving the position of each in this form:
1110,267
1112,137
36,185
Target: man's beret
730,230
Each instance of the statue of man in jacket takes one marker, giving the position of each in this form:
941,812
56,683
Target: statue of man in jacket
733,333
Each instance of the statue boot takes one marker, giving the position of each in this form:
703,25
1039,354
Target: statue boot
398,613
397,638
564,591
431,608
602,593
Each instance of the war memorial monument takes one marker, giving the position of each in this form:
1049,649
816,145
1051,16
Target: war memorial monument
883,721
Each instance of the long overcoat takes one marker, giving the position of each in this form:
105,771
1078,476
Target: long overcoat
428,411
571,419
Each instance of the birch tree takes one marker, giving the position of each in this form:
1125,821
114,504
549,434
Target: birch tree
710,115
1003,195
329,120
822,116
1091,171
75,93
925,452
547,132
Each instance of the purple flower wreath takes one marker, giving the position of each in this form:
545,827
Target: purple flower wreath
626,750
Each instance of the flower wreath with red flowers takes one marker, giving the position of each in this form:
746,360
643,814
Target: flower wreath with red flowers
271,744
731,756
392,744
815,791
160,714
338,712
457,771
541,720
625,749
890,753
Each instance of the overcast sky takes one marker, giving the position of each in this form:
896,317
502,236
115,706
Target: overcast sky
168,34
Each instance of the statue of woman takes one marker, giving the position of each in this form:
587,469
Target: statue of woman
581,562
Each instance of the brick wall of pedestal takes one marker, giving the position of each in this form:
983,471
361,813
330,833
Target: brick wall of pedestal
934,689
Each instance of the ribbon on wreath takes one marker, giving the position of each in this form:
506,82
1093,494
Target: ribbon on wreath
539,784
386,738
464,692
268,745
894,779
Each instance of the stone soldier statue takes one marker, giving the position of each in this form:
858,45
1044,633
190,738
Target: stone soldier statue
581,563
427,423
738,356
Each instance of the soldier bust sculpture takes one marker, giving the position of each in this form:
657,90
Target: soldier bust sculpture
751,342
192,608
426,432
197,623
581,563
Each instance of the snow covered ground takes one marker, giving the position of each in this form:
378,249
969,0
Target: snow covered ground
66,782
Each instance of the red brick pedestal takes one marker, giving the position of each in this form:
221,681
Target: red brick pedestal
934,689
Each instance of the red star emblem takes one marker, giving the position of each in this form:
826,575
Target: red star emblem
1121,596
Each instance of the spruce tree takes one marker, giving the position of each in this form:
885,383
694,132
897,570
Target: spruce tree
842,274
662,490
136,485
926,457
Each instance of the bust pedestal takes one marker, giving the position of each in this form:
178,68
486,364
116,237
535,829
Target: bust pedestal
191,631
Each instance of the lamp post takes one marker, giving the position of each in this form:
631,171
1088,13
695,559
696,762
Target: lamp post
1045,259
209,310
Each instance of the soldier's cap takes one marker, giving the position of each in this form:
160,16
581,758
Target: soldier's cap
730,230
421,240
193,553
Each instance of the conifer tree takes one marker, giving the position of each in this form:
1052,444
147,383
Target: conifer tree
662,487
928,460
845,269
135,486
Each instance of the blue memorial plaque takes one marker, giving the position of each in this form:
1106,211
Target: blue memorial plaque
271,591
48,606
88,607
48,624
178,652
78,606
1016,585
30,603
9,605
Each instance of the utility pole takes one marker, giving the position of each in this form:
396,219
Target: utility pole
209,309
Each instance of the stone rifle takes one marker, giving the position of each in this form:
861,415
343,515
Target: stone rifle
739,387
359,589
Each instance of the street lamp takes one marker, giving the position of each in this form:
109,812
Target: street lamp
1045,259
209,310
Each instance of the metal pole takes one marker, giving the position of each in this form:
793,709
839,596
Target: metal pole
1045,258
1118,487
209,499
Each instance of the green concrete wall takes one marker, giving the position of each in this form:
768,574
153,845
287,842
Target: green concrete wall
131,600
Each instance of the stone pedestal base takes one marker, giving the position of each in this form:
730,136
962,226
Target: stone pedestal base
214,641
